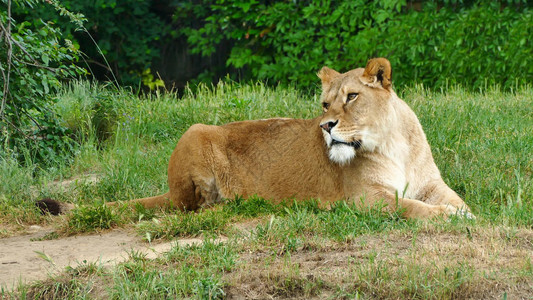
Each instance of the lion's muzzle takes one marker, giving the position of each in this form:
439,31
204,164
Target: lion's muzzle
329,125
355,144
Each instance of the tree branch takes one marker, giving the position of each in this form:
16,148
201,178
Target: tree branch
16,128
36,65
107,67
7,33
33,120
23,49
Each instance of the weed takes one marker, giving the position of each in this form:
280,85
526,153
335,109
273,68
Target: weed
287,231
182,224
191,271
346,220
220,257
208,288
412,280
80,282
142,213
84,269
252,207
91,218
58,289
88,110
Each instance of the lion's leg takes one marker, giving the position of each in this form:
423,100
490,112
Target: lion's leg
439,193
183,191
410,208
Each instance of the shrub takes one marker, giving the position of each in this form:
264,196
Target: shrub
473,44
33,61
121,37
88,110
91,218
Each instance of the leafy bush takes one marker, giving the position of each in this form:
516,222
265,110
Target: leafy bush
477,44
121,37
33,61
88,110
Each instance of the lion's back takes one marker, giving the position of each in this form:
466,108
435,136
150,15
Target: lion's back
273,158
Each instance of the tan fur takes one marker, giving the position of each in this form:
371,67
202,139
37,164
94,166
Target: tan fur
295,159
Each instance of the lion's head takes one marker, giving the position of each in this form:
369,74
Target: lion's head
357,109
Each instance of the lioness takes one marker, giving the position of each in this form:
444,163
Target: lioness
367,146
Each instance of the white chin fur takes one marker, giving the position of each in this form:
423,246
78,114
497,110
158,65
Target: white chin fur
327,137
341,154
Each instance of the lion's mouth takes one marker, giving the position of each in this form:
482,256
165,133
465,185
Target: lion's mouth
355,144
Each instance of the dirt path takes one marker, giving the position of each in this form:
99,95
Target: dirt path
19,260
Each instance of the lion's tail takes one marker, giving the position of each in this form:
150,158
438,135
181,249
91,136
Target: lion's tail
148,202
55,207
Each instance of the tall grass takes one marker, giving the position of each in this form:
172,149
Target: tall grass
482,143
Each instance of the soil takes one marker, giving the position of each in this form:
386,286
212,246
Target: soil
320,271
499,258
21,261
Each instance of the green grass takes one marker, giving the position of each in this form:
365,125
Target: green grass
183,272
89,218
483,145
481,141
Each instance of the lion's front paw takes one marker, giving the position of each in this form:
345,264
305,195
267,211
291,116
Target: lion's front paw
464,212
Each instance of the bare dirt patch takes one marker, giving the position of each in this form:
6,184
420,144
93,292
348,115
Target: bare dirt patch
394,265
482,263
20,260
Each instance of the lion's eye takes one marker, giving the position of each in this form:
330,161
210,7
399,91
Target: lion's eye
351,96
325,105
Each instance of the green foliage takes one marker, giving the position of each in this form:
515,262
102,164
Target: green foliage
438,43
251,207
180,224
476,45
193,271
34,59
149,81
91,218
89,110
126,33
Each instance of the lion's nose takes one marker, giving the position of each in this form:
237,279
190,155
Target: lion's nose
329,125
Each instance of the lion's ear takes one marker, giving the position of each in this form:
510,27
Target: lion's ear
326,75
378,73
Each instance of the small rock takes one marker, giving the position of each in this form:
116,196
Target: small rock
34,228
